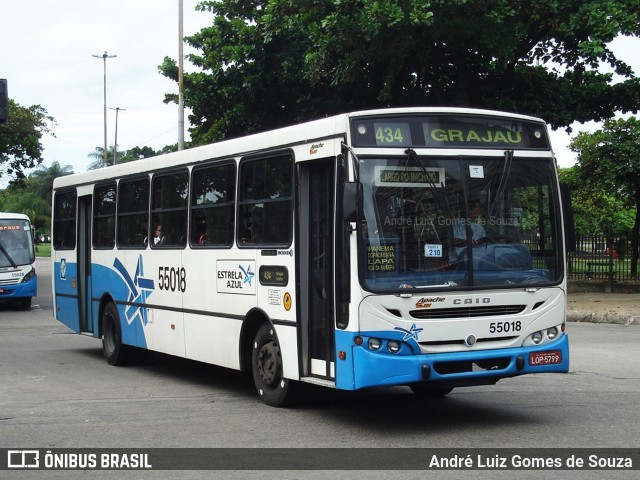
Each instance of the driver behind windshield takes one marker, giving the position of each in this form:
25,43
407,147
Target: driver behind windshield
476,223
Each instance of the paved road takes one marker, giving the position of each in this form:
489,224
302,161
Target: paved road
58,392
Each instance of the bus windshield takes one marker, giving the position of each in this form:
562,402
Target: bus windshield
16,243
438,222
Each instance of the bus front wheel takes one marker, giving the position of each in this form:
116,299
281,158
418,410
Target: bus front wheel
114,351
429,391
25,303
266,366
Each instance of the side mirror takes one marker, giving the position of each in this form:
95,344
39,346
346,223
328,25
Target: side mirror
567,215
351,201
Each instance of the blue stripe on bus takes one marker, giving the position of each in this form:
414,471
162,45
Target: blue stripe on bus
116,282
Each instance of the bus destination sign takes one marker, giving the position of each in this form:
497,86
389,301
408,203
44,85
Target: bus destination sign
449,132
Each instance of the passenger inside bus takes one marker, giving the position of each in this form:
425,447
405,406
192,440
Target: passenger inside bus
158,238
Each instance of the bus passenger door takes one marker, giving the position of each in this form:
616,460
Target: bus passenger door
84,263
316,208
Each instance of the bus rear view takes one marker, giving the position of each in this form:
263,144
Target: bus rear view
18,281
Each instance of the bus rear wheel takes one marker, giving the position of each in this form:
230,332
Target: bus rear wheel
266,366
114,351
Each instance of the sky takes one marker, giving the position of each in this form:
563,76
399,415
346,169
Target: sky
46,54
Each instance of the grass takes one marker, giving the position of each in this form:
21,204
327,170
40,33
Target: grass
43,250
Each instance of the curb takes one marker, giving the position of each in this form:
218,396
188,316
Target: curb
612,318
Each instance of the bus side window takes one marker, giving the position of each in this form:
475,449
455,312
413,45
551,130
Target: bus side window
213,205
169,208
133,200
266,201
64,221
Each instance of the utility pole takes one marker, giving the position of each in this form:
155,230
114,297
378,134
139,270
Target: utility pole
104,57
180,81
115,141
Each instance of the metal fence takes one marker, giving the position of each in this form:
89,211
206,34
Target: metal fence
600,258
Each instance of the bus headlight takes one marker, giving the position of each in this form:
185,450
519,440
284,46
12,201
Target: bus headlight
536,337
552,333
393,346
374,344
28,276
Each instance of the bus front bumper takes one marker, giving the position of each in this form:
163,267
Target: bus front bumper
9,293
368,368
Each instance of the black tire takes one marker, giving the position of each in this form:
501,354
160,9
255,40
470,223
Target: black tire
430,390
115,353
24,303
266,367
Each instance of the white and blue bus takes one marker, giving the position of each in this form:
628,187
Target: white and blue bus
419,247
18,280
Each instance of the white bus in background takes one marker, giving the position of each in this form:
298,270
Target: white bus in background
418,247
18,280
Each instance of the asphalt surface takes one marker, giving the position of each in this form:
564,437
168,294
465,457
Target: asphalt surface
618,308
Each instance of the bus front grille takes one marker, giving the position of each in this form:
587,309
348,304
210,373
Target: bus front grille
467,312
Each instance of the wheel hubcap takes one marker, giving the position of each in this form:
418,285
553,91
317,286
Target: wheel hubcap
268,363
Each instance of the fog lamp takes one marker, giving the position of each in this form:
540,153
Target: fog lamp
374,344
536,337
552,333
393,346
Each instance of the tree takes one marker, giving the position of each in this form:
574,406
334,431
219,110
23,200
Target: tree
32,195
98,157
20,146
136,153
42,178
268,63
21,200
596,211
609,161
123,156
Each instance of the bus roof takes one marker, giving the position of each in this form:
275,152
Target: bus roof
13,216
270,140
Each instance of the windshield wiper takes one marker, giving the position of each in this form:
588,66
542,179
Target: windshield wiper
6,254
438,195
502,185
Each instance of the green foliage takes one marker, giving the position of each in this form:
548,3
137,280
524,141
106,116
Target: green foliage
43,250
136,153
32,195
20,146
609,167
269,63
42,179
124,156
596,210
97,157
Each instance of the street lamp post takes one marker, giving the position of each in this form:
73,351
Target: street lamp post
180,79
115,141
104,57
